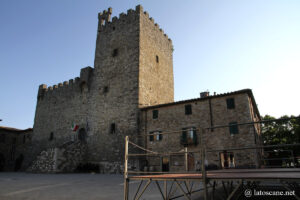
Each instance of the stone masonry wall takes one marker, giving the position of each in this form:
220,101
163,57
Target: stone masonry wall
58,107
108,95
114,93
156,82
13,148
61,159
173,118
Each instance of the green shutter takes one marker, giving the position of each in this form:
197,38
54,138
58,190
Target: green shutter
183,137
195,139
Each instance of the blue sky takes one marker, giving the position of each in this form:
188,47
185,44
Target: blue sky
220,46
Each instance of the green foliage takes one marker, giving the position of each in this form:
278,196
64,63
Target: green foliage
282,132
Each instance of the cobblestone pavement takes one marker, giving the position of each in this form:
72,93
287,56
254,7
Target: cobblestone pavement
26,186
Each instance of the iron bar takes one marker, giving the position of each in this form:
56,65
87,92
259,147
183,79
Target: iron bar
145,187
257,147
170,194
158,186
138,189
179,186
255,122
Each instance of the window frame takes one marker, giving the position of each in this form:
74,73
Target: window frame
189,136
230,102
233,128
188,110
156,137
155,114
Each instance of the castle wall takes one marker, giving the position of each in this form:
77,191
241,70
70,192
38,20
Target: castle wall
114,98
156,81
58,107
105,100
173,118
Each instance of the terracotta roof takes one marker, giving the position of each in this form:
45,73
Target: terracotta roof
248,91
10,129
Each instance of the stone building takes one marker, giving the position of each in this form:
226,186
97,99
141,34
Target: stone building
187,124
131,77
13,145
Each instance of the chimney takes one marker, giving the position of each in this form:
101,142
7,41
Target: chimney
204,94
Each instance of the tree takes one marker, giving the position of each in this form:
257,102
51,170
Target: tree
285,130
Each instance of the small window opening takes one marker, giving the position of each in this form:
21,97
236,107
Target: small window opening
115,52
105,89
51,136
233,128
230,103
114,28
24,139
157,59
113,128
155,114
188,109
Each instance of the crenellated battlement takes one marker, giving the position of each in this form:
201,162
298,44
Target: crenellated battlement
106,25
75,84
146,15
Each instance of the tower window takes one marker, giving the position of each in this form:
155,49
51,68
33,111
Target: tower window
230,103
188,109
233,128
105,89
154,114
112,128
24,139
115,53
51,136
157,59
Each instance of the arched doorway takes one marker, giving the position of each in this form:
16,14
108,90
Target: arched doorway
19,162
82,135
2,162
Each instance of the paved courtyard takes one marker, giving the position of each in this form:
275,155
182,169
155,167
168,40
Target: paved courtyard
23,186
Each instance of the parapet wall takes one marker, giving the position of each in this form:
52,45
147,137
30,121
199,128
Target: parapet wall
73,86
105,25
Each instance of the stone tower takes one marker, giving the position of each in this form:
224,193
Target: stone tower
133,68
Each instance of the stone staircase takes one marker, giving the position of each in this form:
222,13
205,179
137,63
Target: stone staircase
64,158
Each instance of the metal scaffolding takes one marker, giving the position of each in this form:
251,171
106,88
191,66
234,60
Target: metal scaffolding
173,185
